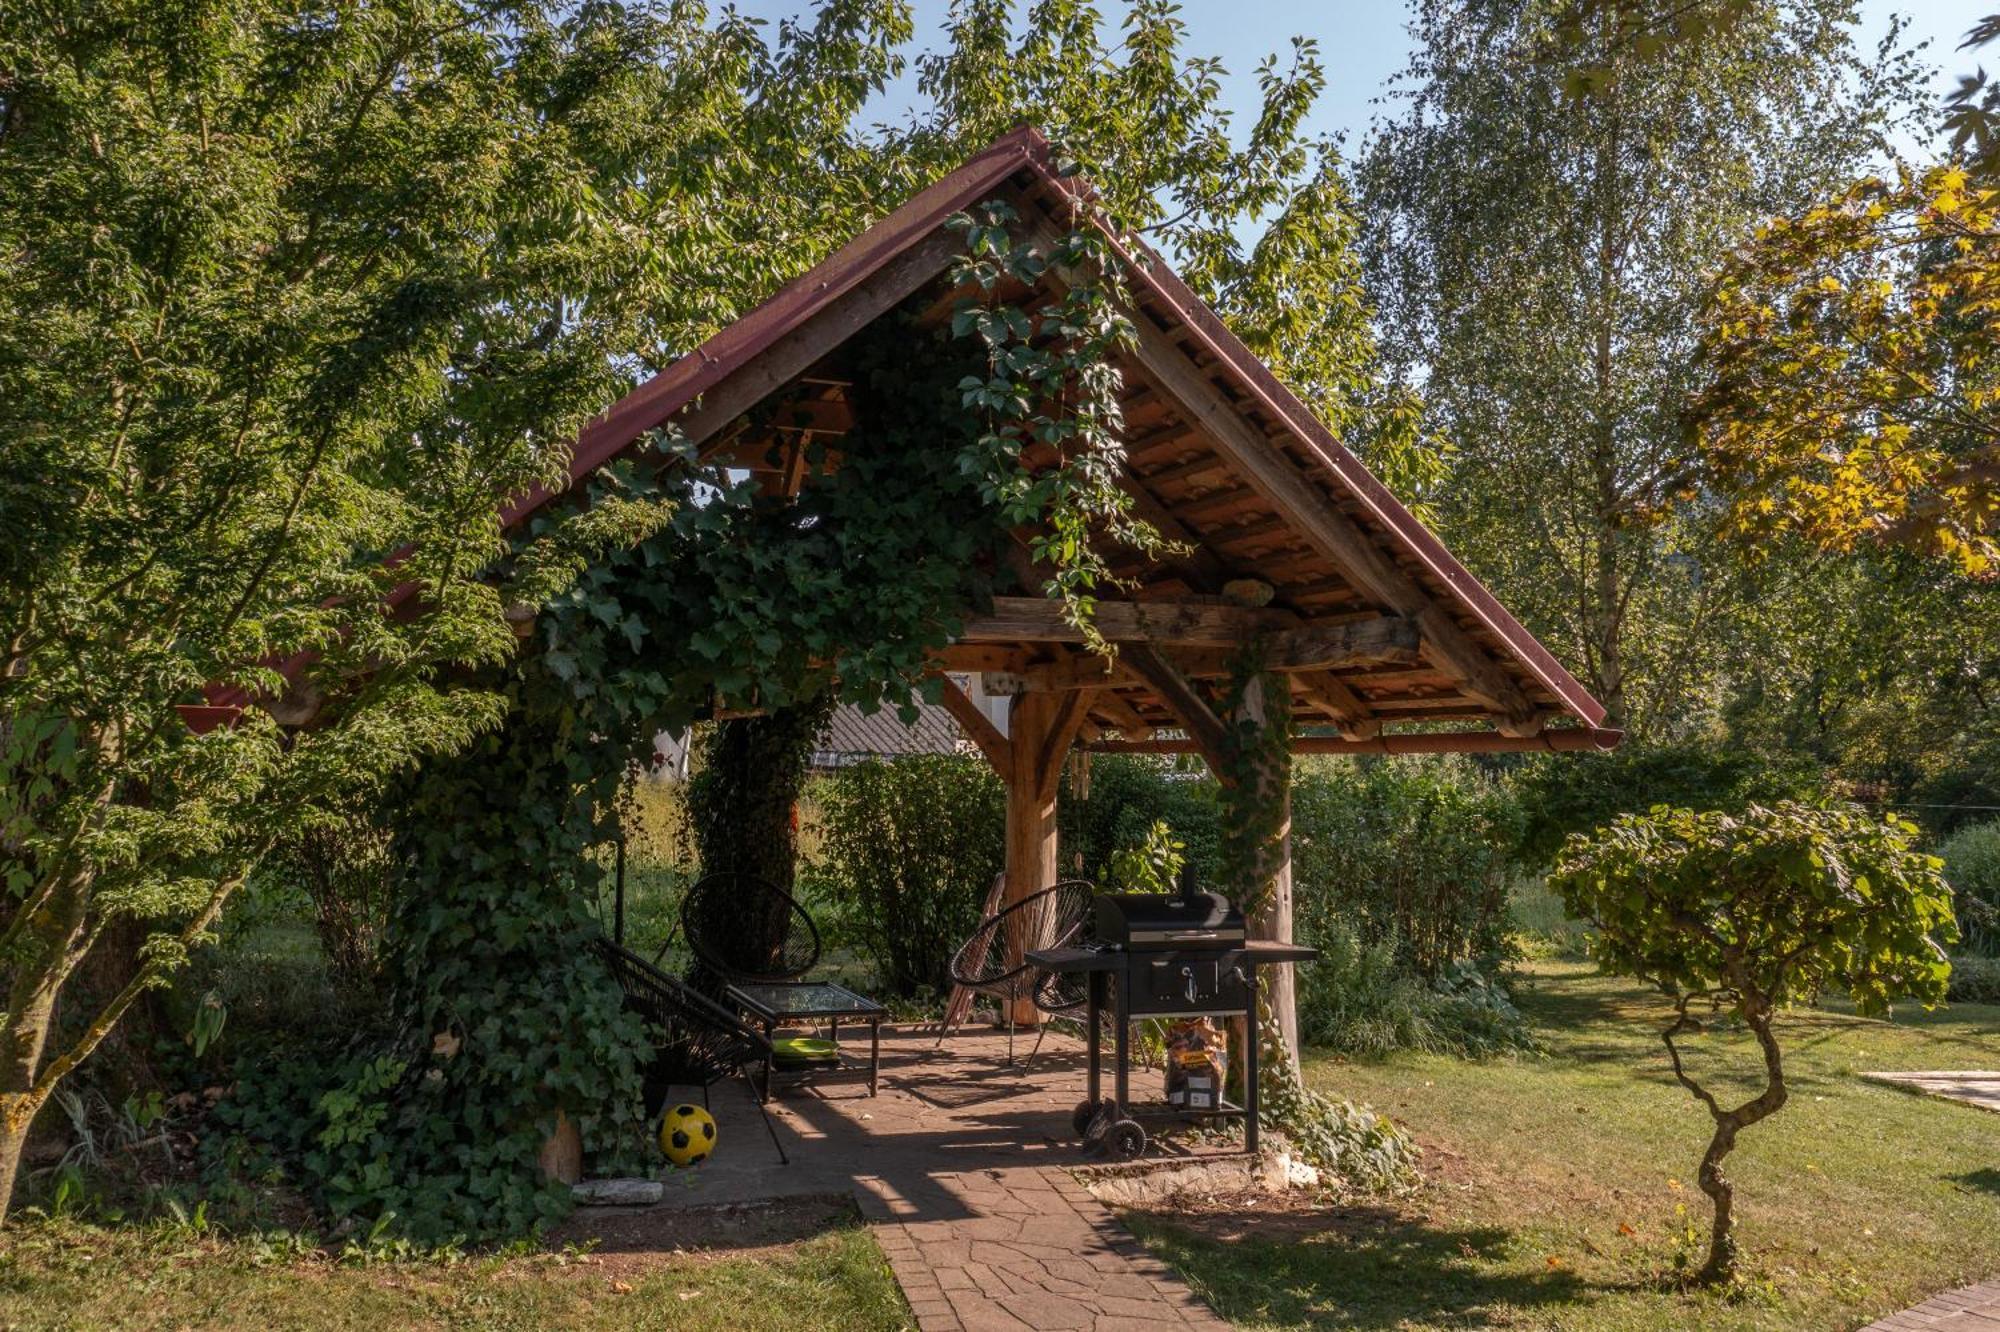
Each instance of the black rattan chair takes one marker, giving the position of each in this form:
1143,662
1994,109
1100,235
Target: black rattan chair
696,1041
993,961
741,928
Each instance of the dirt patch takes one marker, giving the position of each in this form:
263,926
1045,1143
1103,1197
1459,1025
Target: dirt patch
631,1238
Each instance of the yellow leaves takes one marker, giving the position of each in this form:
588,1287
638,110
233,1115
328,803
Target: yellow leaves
1831,284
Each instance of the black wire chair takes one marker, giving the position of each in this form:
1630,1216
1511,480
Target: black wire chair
696,1041
743,929
994,962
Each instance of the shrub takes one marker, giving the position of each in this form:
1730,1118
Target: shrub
1739,917
1972,867
344,868
1974,980
1574,793
1413,851
1359,999
1128,795
908,850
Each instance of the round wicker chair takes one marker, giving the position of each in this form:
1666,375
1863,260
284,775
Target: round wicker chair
743,929
993,961
695,1042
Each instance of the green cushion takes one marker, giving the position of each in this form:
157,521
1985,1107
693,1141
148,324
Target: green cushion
804,1050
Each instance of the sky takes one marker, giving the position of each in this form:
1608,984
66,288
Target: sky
1363,44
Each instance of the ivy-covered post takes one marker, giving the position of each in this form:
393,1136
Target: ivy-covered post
1257,832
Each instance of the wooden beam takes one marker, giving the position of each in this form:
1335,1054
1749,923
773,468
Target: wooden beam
978,727
1202,725
1121,714
1041,620
1351,712
1569,740
1078,670
1324,647
977,658
1321,522
1065,720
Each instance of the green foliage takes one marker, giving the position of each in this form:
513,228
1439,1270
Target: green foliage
1561,795
909,849
1748,913
1129,794
1361,999
1788,901
1849,352
1151,865
1411,851
1540,262
1972,867
1351,1144
1148,122
1974,980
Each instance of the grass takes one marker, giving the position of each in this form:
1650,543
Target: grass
64,1275
1560,1190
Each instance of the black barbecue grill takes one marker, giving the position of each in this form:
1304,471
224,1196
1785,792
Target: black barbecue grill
1161,955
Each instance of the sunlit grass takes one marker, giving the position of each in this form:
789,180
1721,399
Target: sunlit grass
1561,1190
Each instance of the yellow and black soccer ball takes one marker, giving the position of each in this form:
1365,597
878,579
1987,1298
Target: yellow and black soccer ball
687,1134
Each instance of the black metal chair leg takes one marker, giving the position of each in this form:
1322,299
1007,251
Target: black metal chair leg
1041,1031
772,1129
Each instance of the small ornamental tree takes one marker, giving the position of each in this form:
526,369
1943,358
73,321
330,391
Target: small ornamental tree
1743,914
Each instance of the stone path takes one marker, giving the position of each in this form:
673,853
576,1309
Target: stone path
957,1167
1972,1086
1973,1309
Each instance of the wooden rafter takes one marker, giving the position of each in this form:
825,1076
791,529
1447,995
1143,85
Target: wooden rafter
1332,532
1204,728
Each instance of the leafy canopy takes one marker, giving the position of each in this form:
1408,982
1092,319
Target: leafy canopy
1852,390
1774,905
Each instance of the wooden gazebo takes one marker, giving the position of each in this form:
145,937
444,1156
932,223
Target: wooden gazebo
1372,621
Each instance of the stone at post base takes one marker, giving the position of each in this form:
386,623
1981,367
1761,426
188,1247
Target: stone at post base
561,1157
627,1192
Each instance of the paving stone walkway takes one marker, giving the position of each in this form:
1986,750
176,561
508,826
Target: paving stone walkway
1975,1087
957,1165
1973,1309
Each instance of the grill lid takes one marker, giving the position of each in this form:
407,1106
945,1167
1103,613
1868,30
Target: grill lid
1189,918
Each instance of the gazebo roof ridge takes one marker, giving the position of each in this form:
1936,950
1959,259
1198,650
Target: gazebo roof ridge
1379,623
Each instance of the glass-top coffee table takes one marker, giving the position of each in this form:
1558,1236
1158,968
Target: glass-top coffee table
773,1004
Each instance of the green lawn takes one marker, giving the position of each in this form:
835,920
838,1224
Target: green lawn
1557,1185
57,1275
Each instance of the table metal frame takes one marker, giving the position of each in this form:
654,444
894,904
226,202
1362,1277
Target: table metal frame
770,1019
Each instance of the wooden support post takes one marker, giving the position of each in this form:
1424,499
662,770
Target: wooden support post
1040,730
1273,920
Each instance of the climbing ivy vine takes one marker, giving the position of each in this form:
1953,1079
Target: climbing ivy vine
674,593
1347,1142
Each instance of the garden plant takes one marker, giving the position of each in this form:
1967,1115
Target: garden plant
1737,916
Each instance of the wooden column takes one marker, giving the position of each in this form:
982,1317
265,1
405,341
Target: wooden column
1040,729
1273,921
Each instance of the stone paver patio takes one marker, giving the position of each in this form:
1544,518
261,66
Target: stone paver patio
1974,1087
958,1168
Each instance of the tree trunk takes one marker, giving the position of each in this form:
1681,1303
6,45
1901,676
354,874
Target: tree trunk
1607,599
46,955
1721,1264
1757,1013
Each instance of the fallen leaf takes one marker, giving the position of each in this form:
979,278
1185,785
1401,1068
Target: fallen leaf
621,1288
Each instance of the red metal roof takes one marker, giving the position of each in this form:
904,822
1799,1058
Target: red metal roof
680,386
